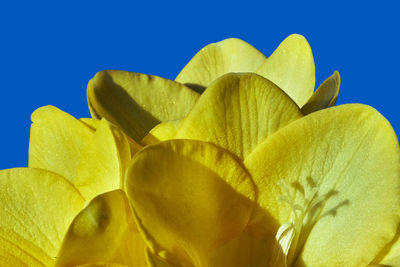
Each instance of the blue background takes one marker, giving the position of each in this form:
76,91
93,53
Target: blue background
50,50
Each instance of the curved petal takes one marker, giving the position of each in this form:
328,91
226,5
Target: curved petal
104,231
237,112
190,197
164,131
36,208
325,96
57,140
340,173
104,161
291,67
217,59
95,123
137,102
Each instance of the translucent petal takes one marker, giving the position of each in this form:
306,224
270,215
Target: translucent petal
103,162
104,232
325,96
57,140
291,67
36,208
137,102
161,132
237,112
348,158
190,197
217,59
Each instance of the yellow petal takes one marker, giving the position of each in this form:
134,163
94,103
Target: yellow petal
56,141
103,232
156,261
217,59
102,264
36,208
104,161
237,112
291,67
342,164
164,131
390,254
325,96
92,123
190,198
137,102
246,250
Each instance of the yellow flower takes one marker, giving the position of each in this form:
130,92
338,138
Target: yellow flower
137,102
235,173
256,190
248,180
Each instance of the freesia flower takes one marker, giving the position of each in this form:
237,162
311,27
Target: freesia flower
248,180
239,169
255,190
138,102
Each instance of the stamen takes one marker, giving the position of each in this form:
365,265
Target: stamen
292,235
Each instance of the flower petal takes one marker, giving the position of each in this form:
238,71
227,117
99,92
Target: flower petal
103,163
92,123
137,102
164,131
155,260
217,59
246,250
101,264
57,141
190,197
237,112
325,96
104,231
390,254
291,67
36,208
347,158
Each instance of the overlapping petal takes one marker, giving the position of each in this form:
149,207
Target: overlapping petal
217,59
57,141
137,102
292,68
190,197
36,208
164,131
105,232
341,167
92,154
325,96
103,162
237,112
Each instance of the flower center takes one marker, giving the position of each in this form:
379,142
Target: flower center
305,211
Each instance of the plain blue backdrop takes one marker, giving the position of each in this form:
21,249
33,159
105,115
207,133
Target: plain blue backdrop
50,50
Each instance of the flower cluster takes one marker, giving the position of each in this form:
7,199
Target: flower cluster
237,162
